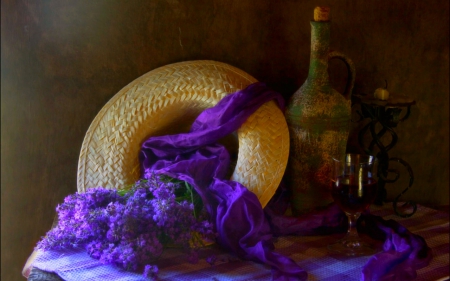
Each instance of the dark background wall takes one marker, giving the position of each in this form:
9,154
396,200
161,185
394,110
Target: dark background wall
62,60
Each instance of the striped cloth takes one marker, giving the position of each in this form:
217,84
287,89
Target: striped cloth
310,252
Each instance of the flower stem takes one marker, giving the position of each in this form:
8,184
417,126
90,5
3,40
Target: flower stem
189,189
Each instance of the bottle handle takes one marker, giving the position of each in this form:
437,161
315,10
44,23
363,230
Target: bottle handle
351,71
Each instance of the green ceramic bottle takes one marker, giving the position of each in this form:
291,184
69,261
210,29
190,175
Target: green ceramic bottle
319,122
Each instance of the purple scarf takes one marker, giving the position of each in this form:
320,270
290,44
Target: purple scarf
195,157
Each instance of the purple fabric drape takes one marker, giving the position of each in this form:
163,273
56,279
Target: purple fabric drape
403,252
196,158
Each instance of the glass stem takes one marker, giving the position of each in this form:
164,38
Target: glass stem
352,232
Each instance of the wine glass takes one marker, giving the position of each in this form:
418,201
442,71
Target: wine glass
354,188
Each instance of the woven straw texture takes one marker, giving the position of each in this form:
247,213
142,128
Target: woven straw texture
166,101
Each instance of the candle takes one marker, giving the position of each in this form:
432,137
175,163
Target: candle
382,93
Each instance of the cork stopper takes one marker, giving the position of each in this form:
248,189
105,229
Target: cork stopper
321,13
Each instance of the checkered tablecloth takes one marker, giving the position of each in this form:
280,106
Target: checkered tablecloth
310,252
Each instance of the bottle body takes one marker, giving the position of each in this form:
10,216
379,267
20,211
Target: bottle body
319,124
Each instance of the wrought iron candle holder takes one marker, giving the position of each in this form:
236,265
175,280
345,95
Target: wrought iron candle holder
385,115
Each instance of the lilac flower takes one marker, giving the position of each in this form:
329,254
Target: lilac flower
150,270
211,259
129,228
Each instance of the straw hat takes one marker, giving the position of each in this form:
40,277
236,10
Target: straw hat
166,101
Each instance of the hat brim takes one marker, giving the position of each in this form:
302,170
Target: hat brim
167,100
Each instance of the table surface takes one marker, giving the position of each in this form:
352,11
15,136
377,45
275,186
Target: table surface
310,252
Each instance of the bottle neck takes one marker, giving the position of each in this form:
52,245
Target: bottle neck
320,43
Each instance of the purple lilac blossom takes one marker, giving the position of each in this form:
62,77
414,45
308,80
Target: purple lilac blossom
128,231
150,271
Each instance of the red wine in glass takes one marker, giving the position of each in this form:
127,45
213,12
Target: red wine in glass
353,188
353,196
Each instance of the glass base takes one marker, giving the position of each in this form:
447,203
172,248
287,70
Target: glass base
350,247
